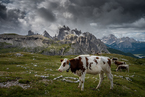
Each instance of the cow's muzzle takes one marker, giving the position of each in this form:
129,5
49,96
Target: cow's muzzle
59,70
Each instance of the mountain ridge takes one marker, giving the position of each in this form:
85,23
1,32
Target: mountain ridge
67,42
125,44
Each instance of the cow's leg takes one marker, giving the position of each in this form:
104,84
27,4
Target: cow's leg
101,77
80,82
110,76
83,80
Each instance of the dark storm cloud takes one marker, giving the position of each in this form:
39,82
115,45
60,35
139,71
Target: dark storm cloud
108,11
10,15
46,14
2,12
103,12
5,1
94,16
9,19
53,5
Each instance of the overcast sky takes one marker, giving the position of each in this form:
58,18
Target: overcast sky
100,17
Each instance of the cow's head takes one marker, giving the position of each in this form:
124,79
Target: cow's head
64,65
114,59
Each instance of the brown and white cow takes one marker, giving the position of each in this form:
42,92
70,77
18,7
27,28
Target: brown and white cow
88,64
121,67
117,63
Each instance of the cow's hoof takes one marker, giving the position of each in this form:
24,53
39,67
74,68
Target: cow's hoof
111,88
82,89
97,87
94,89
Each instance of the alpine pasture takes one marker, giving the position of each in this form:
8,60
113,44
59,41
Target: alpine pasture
35,75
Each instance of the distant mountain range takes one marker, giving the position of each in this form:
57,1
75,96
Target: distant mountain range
125,44
112,39
70,42
67,42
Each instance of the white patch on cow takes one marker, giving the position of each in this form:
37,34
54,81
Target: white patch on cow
84,55
79,72
95,68
83,60
81,56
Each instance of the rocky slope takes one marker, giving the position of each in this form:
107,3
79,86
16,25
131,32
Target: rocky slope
82,43
23,41
86,43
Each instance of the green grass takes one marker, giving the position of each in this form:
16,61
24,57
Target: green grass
25,68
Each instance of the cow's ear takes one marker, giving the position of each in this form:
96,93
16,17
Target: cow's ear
61,60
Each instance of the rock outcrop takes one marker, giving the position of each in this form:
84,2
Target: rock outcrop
63,31
85,44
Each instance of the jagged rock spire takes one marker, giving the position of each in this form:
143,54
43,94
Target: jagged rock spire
46,34
30,33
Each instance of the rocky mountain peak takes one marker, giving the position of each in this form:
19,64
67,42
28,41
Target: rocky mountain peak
112,39
75,31
89,36
125,44
30,33
86,42
128,39
46,34
63,31
109,39
112,36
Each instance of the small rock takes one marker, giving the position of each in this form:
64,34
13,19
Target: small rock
128,79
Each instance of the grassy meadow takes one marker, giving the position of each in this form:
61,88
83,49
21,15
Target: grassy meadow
32,75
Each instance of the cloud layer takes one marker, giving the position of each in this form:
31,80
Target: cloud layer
100,17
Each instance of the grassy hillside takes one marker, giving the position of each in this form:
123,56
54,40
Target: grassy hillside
115,51
140,51
33,76
137,48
